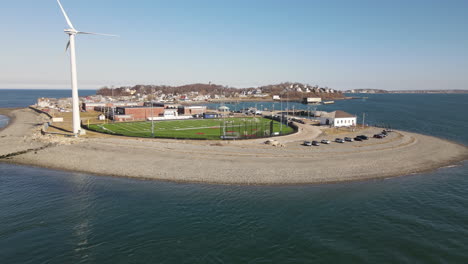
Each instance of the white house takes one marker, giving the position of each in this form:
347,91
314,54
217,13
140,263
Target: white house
276,97
336,119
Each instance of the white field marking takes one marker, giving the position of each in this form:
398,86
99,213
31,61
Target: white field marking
142,126
105,128
217,127
121,127
194,128
128,128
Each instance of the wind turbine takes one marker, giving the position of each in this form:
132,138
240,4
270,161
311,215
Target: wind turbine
72,32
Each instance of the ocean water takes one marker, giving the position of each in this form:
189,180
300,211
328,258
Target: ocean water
23,98
50,216
4,120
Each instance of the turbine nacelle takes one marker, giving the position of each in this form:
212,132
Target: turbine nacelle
70,31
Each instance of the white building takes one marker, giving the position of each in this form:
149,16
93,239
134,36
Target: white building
336,119
276,97
170,113
312,100
223,108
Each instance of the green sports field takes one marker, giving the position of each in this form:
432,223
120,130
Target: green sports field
230,128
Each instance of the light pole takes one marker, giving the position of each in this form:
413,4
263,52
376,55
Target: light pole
152,120
363,118
282,113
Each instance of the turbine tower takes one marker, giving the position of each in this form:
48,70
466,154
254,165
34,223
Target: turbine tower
72,32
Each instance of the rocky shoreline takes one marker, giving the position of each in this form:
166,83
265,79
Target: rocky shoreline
225,162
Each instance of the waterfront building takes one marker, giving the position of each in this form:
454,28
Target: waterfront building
337,118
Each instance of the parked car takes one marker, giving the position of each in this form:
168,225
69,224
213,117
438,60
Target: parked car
348,139
357,139
363,137
379,136
315,143
325,141
339,140
307,143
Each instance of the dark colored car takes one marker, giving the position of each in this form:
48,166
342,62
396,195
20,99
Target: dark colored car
363,137
357,139
379,136
339,140
315,143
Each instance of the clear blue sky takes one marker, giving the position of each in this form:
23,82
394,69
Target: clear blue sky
341,44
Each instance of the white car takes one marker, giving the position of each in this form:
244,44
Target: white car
325,141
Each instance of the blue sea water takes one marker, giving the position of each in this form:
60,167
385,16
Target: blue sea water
25,97
4,120
50,216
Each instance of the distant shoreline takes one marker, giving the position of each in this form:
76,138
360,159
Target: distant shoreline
244,163
379,91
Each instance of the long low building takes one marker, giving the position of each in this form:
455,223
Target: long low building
91,106
155,112
337,118
138,112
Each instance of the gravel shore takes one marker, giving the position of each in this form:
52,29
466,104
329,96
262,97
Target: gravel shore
240,162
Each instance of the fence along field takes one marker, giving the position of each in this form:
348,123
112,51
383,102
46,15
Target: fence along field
228,128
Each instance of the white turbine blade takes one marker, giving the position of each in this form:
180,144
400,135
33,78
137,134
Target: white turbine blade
68,45
65,15
99,34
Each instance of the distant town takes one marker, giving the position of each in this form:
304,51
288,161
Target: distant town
379,91
208,92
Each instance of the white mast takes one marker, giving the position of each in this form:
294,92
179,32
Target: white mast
72,32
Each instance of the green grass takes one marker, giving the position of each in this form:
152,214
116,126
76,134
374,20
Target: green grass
241,128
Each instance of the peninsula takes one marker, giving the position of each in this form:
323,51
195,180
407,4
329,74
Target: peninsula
227,162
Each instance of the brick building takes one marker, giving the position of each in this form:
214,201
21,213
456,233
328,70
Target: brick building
138,112
92,106
192,110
